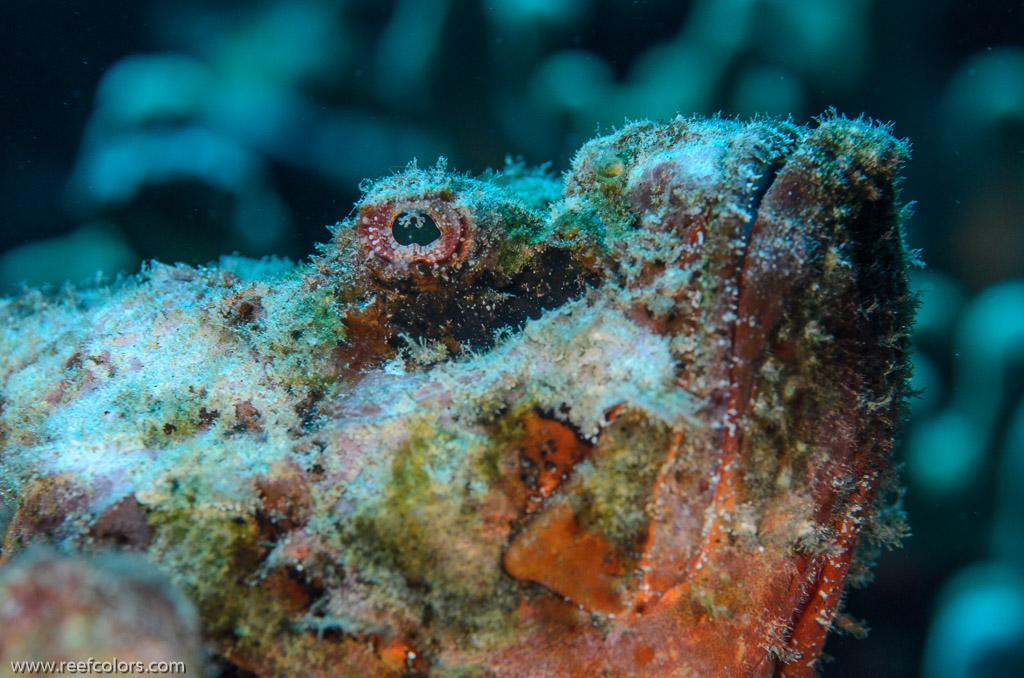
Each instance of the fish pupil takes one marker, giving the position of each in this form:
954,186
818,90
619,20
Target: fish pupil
415,227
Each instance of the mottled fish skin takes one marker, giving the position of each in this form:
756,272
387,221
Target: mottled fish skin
633,421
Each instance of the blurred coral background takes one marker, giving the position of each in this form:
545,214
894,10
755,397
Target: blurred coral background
183,130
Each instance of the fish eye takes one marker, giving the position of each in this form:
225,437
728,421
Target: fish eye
425,230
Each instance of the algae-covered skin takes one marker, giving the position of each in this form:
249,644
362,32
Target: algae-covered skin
636,422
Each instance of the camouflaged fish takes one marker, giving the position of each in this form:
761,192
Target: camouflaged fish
634,421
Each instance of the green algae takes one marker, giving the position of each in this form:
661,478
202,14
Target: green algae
617,485
252,621
433,542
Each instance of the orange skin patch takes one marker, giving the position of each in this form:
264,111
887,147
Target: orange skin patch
556,552
554,448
